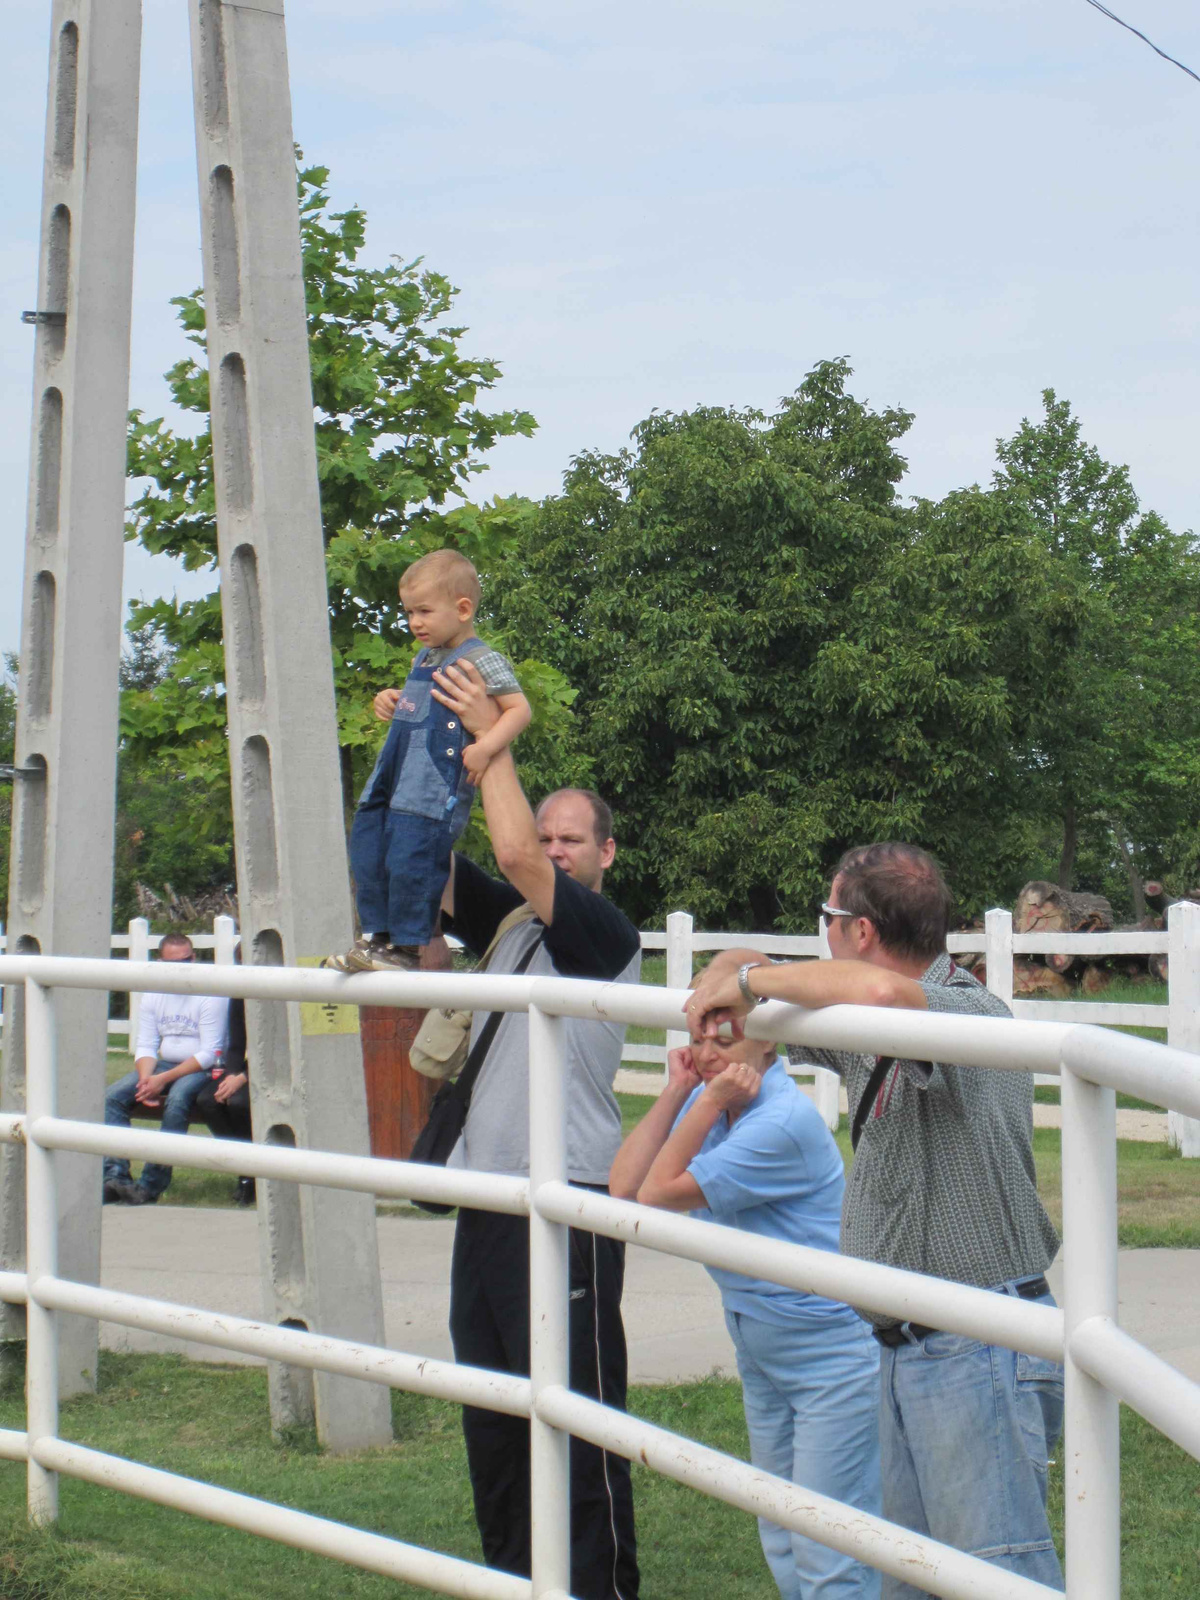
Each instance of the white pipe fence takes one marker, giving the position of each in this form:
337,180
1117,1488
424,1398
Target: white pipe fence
1103,1364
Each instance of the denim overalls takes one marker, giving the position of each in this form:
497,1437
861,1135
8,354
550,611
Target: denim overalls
415,805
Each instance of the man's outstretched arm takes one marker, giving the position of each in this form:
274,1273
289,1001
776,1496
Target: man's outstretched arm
717,997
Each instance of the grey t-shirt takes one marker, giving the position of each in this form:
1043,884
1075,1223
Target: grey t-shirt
943,1180
587,938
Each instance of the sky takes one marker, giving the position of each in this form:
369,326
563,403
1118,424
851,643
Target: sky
679,202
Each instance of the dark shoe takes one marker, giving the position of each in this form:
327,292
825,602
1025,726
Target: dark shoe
137,1195
114,1191
245,1193
395,958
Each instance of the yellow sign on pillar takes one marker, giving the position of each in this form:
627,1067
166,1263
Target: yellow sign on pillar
325,1016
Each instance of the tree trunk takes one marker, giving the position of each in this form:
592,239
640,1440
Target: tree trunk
1066,862
1135,883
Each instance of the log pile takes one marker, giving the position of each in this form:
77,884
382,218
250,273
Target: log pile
1045,908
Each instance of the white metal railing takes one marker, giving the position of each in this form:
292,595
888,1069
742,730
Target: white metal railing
1103,1365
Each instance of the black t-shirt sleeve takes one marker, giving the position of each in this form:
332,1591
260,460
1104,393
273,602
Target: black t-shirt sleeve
588,937
480,905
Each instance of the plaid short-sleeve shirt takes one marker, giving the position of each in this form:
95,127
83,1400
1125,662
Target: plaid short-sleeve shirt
943,1180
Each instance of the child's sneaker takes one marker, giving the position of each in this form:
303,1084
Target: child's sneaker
359,958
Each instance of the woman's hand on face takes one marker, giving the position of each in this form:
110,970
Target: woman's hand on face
460,688
681,1070
735,1088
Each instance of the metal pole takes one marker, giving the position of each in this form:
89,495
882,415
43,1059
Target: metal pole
679,969
549,1284
1092,1440
64,796
1183,1008
41,1251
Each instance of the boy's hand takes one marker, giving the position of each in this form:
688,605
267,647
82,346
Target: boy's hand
476,762
384,704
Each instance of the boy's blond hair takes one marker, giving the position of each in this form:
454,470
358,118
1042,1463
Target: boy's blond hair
449,572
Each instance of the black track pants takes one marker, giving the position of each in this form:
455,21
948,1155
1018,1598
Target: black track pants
489,1324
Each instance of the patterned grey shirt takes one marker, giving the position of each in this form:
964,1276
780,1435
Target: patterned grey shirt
496,670
943,1180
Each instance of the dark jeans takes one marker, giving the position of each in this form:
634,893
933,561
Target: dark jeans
489,1324
226,1119
400,864
119,1104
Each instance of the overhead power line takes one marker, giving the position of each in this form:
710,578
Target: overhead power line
1113,17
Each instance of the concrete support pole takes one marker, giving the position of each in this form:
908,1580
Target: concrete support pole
1183,1008
319,1247
60,897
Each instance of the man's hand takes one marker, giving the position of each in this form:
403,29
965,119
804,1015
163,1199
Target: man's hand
476,762
716,999
384,704
149,1091
734,1089
229,1085
461,689
681,1070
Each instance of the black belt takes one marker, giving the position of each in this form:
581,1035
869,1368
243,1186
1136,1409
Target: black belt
893,1338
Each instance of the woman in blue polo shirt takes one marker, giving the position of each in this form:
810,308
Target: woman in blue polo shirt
731,1139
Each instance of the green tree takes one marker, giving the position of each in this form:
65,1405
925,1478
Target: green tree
400,432
776,658
1115,741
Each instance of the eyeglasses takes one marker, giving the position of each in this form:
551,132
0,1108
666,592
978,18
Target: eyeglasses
829,912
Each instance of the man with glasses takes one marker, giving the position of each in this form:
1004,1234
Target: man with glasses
943,1183
180,1037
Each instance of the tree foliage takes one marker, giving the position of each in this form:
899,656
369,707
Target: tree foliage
1115,748
400,431
776,658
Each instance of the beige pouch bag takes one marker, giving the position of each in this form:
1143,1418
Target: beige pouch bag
440,1048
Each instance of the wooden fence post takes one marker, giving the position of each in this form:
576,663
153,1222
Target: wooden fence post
827,1086
679,969
139,950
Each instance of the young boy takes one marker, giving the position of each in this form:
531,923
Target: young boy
419,796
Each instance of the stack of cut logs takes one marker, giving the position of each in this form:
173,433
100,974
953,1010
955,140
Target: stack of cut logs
1045,908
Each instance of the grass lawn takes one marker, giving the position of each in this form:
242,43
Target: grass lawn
211,1423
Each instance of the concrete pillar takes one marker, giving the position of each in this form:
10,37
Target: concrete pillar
319,1246
60,898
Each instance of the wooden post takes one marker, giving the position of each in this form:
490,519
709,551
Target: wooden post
398,1099
1183,1008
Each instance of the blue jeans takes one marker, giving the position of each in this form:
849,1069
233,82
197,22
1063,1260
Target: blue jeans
400,864
966,1431
119,1105
811,1395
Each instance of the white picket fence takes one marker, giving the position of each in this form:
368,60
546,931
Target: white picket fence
1104,1365
681,943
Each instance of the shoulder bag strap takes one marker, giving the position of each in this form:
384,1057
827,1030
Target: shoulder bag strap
874,1083
465,1082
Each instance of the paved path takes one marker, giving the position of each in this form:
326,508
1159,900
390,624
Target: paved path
672,1308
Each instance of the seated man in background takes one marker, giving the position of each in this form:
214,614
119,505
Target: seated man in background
179,1039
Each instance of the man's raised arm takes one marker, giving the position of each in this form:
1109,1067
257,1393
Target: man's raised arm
513,831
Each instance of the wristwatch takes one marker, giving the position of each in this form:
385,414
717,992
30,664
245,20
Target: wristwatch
743,983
